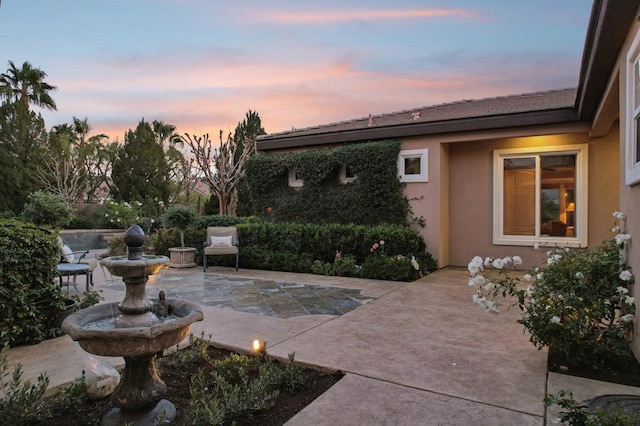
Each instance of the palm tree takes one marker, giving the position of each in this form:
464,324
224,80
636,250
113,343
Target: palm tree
26,85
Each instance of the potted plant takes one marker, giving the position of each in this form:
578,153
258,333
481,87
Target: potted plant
180,217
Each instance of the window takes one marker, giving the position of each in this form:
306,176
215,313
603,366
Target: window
540,196
632,138
346,174
294,179
413,165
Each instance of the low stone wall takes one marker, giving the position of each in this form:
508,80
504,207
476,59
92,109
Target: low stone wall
89,239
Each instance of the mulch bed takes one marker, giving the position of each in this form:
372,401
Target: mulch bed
621,370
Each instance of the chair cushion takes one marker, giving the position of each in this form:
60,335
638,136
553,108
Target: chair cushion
67,254
220,249
221,241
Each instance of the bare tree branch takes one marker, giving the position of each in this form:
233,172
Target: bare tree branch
222,167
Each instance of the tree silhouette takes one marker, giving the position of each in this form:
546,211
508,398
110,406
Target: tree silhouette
27,86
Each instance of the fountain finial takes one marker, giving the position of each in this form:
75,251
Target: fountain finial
134,239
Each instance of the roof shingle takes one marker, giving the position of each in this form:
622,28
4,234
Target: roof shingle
497,106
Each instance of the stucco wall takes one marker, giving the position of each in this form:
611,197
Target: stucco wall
426,198
630,195
471,189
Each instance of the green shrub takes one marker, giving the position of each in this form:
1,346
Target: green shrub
8,214
195,354
342,266
322,242
87,299
116,245
30,297
164,239
578,301
295,247
578,413
121,215
71,396
45,208
20,402
274,260
79,222
392,268
578,304
180,217
220,220
240,385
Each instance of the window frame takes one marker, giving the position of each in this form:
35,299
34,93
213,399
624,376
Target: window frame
580,194
293,181
423,155
343,175
632,167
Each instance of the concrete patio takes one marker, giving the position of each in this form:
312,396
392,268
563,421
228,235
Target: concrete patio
418,353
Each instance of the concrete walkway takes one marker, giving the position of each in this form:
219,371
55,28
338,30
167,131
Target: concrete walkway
420,353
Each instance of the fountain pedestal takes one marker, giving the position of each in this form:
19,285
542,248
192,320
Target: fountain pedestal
132,330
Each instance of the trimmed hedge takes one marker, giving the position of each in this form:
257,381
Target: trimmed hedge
30,297
310,248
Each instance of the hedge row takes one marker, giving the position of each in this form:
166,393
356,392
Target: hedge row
302,247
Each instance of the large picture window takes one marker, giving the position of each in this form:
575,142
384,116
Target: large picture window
540,196
632,137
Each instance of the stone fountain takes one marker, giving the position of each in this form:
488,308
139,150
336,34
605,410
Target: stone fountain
132,329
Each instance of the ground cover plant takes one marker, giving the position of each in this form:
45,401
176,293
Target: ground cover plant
208,386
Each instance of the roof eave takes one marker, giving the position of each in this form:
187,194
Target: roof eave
495,122
608,27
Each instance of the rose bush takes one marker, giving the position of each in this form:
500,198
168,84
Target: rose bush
578,303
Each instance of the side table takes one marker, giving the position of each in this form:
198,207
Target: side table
73,270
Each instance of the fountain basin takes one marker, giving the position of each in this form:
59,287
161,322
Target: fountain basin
130,341
122,266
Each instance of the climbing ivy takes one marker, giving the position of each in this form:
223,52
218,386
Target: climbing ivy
374,197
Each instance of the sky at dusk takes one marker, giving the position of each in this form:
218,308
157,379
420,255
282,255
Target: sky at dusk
201,64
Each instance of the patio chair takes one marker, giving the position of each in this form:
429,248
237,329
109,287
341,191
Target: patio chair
69,256
221,240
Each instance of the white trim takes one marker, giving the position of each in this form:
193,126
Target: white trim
343,175
293,181
581,197
632,168
423,155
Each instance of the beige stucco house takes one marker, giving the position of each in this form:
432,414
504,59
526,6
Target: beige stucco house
494,177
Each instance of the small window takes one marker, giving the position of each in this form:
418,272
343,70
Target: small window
540,196
294,179
413,165
632,114
346,174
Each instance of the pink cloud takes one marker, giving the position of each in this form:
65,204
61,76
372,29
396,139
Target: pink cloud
341,16
207,94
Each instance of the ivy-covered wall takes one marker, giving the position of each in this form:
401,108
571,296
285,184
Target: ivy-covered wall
374,197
